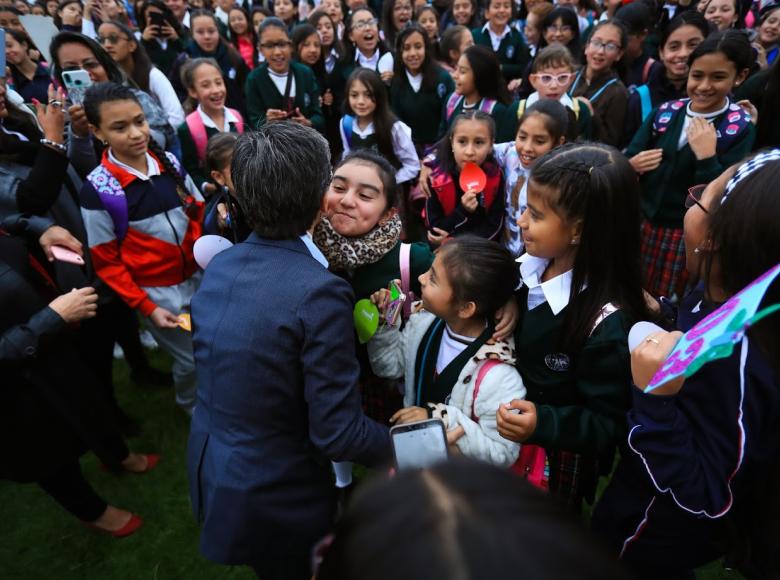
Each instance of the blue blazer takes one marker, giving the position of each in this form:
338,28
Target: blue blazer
277,399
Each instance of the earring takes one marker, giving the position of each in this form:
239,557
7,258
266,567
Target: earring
105,143
574,241
696,250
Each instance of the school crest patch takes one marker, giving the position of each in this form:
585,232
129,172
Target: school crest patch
558,362
510,51
735,116
677,105
732,129
441,90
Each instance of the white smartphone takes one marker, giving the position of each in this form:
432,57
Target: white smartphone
76,82
420,444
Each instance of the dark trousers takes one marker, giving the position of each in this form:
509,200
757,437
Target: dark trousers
69,489
287,568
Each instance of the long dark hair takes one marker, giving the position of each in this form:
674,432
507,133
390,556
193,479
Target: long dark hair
337,45
384,119
387,24
591,182
618,66
172,21
554,115
114,73
299,36
249,30
450,40
569,18
733,44
488,79
142,66
429,72
444,154
770,98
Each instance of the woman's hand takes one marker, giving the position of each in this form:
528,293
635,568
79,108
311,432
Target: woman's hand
409,415
506,320
437,235
702,138
51,117
59,236
327,98
76,305
649,356
78,121
168,32
151,32
387,76
647,160
517,427
470,200
162,318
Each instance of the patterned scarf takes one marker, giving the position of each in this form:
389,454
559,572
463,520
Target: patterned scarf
345,253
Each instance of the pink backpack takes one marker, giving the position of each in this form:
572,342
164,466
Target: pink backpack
198,131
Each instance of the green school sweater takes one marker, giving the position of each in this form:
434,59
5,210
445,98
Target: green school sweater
262,94
581,398
665,188
194,167
422,110
753,90
164,58
512,53
508,129
372,277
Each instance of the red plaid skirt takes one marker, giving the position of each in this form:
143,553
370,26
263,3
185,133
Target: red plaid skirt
663,261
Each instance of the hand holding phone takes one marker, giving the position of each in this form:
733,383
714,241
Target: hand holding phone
63,254
77,82
419,445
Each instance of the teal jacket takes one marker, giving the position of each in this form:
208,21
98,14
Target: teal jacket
262,94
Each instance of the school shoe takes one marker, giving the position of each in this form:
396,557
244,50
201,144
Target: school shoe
127,530
147,340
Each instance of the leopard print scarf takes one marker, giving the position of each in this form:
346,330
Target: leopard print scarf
345,253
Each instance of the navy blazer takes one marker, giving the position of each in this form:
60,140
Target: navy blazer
277,399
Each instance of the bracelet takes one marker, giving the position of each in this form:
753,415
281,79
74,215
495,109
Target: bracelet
58,146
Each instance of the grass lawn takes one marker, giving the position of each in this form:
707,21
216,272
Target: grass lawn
40,541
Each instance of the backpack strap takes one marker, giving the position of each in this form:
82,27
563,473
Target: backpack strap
598,93
112,196
521,108
198,133
665,113
606,310
646,69
730,127
347,121
452,104
645,101
483,370
487,105
405,263
239,122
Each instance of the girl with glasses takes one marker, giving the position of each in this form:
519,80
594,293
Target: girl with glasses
396,14
364,43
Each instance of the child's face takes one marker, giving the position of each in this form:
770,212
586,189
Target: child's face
257,19
115,42
333,9
604,49
15,52
533,140
769,31
696,230
355,201
552,82
678,47
71,14
546,234
721,13
464,77
462,12
208,88
531,29
38,10
712,78
471,142
413,52
276,48
559,32
238,22
285,10
437,293
429,23
499,12
361,101
402,13
123,126
364,32
326,32
51,7
309,50
205,33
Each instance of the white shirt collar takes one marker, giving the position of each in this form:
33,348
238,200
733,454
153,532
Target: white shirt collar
371,62
314,250
493,35
186,20
565,100
556,291
369,130
208,122
152,169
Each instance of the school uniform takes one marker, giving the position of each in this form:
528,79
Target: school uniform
456,105
266,90
581,398
355,138
509,46
665,188
35,88
440,369
693,461
195,166
580,118
379,62
163,52
330,76
609,97
421,107
753,89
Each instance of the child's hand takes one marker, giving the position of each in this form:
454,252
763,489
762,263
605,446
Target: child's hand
514,85
298,117
381,298
647,160
506,319
387,76
437,235
702,138
470,201
409,415
425,173
275,115
162,318
750,109
78,121
513,426
151,32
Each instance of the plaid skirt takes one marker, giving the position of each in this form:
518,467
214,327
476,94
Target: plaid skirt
663,261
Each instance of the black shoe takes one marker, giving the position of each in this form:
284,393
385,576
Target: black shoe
151,377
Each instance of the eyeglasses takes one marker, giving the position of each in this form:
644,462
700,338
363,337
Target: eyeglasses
560,79
281,45
363,24
86,65
565,29
111,39
608,47
694,197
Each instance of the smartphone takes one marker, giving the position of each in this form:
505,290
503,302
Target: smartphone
420,444
63,254
397,299
157,19
76,82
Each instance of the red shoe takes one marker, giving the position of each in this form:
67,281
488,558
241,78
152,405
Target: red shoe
127,530
151,461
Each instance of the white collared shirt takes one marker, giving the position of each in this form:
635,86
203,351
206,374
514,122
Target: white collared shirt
403,147
690,115
223,16
495,39
281,82
415,81
209,122
331,60
152,169
555,291
314,250
376,62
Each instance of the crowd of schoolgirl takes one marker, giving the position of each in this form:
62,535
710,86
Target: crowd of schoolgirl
595,129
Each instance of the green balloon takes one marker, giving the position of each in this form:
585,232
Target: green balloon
366,317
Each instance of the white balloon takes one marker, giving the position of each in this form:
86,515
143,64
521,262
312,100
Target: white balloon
640,331
206,247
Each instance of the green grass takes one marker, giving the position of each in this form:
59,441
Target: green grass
40,541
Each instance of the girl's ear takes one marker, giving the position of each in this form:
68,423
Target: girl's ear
741,76
193,94
576,232
387,216
467,310
217,176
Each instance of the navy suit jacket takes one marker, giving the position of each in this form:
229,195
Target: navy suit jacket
277,399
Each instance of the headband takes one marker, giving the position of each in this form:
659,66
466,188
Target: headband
748,168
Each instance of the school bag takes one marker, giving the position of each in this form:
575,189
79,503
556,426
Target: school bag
645,101
198,131
485,105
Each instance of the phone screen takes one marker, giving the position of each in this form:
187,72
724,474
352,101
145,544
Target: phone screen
419,445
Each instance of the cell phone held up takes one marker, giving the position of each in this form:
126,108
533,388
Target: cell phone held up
76,82
419,445
157,19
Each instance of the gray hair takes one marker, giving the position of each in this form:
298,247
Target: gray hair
281,173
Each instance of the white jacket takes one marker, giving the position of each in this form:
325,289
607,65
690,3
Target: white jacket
392,354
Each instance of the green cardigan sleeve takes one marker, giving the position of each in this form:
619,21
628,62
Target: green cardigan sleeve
255,103
597,423
190,156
